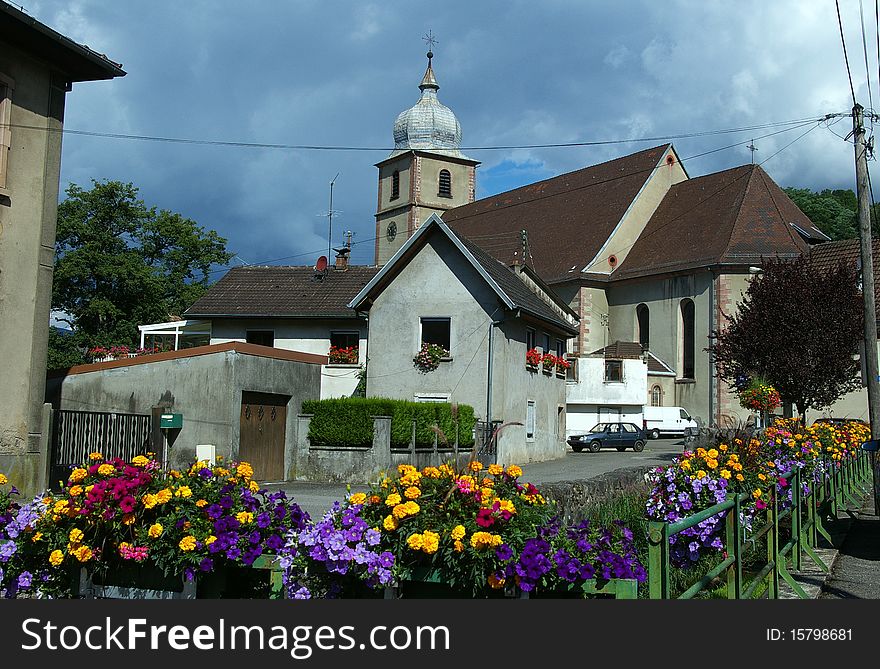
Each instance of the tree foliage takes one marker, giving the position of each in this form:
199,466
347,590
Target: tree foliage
797,327
120,263
834,212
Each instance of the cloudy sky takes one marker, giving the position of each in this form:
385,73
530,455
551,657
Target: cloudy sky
319,72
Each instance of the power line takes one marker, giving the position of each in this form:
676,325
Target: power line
865,49
845,57
315,147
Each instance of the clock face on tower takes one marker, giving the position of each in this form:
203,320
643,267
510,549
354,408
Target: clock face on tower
391,231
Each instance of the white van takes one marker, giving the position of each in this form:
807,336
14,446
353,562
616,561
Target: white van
666,421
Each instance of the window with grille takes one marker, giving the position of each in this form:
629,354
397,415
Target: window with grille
530,420
445,184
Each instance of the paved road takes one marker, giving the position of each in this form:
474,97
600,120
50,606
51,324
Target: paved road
316,498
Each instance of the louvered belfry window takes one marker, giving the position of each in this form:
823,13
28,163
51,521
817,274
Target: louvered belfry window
445,189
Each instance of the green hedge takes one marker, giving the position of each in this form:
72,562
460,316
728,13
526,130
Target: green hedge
347,421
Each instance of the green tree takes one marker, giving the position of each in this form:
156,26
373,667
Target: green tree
834,212
120,264
797,327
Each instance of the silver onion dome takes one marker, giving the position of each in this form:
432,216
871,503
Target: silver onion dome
428,125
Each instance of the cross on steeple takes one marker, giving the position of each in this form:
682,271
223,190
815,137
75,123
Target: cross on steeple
751,147
430,40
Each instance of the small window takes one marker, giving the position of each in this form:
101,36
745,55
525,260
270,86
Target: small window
531,339
445,189
545,342
395,185
530,420
571,374
6,86
261,337
688,339
656,396
436,331
560,348
643,320
614,370
344,347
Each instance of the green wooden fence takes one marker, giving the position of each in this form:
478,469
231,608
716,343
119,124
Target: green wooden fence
841,488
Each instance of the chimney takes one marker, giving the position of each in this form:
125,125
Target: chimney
342,258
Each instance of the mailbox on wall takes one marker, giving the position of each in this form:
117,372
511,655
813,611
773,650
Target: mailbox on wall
171,420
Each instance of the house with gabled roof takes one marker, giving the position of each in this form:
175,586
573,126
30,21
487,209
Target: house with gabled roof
439,288
644,253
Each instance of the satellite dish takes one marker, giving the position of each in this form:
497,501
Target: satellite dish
321,265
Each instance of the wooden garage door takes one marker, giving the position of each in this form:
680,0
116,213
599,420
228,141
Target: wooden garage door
263,419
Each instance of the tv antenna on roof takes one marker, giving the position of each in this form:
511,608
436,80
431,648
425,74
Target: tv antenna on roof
329,216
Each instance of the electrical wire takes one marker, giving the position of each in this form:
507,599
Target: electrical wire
865,49
845,56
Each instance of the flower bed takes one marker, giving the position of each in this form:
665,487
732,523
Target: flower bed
112,514
754,465
477,531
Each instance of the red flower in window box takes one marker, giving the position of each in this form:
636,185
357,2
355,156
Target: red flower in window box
343,356
533,357
562,364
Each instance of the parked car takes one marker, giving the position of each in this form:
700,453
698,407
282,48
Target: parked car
604,435
666,421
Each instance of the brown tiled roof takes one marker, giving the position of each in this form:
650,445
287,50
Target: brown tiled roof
733,217
286,292
657,366
582,206
620,350
827,256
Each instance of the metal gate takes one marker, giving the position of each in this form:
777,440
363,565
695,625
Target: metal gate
487,451
75,434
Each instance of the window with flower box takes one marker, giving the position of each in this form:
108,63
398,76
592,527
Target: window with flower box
344,347
437,331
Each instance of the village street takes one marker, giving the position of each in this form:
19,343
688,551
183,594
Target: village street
316,498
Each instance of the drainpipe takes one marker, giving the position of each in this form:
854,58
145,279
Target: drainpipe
711,417
492,325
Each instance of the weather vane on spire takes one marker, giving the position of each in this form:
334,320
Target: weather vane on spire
430,40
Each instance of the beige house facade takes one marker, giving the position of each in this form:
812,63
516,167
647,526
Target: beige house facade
38,67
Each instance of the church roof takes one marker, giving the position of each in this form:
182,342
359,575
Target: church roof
734,217
283,292
428,125
568,218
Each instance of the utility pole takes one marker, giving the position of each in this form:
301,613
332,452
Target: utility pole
871,365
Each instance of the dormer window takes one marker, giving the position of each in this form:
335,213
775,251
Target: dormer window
445,189
395,185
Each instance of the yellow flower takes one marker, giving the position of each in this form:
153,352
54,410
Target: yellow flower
431,472
75,535
357,498
128,519
174,474
415,541
475,466
37,536
3,479
83,553
495,469
404,469
757,493
457,532
78,475
740,477
495,583
487,482
686,465
254,486
210,539
515,471
155,530
149,500
244,470
76,491
393,499
701,474
712,454
485,540
202,503
390,523
507,505
163,496
446,470
713,463
412,492
458,546
183,491
701,452
140,461
187,544
412,508
95,456
723,448
411,478
431,542
244,517
762,477
725,473
56,557
106,469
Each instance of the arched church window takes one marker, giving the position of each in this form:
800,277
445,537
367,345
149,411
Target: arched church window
644,324
445,189
688,339
656,396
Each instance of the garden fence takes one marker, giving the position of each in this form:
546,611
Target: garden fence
798,528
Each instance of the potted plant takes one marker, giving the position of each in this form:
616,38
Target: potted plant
562,366
343,355
548,362
533,359
429,356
